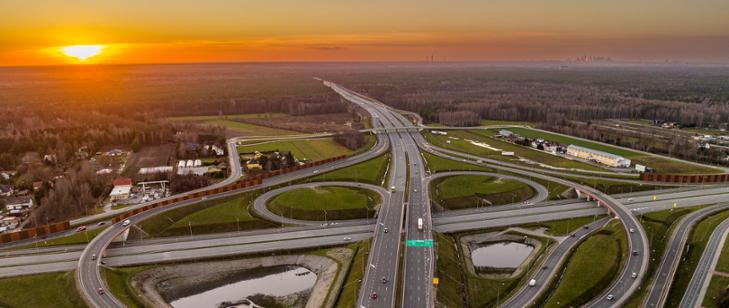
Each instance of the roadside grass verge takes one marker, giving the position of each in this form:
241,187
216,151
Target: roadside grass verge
212,216
302,149
691,255
350,288
613,187
43,290
563,227
717,294
371,172
658,227
437,164
591,267
325,203
466,191
119,281
77,238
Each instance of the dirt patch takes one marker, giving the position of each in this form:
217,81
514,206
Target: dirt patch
150,156
163,284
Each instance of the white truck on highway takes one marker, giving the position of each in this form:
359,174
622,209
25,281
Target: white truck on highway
420,224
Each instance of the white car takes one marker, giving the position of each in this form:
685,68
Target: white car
346,238
631,230
126,222
610,297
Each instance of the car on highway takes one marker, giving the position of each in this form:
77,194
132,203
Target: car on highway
126,222
93,257
610,297
347,238
101,223
384,279
631,230
386,230
634,275
635,252
392,188
81,228
101,291
374,295
420,224
532,282
316,171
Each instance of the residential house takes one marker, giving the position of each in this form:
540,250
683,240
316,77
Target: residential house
122,189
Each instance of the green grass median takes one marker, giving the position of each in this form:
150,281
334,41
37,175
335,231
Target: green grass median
302,149
325,203
591,268
465,191
371,172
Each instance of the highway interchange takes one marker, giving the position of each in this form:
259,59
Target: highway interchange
405,200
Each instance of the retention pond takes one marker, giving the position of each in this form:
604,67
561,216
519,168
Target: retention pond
276,282
501,255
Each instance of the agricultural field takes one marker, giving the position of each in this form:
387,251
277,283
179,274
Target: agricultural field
236,126
466,191
325,203
303,150
150,156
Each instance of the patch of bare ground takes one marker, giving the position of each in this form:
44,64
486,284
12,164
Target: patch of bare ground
161,285
149,156
331,122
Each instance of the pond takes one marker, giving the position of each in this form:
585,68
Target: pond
288,280
501,255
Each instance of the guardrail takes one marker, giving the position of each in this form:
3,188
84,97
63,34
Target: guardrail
684,178
248,182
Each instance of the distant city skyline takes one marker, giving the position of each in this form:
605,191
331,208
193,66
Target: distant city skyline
135,31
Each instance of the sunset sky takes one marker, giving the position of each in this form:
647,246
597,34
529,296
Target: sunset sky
143,31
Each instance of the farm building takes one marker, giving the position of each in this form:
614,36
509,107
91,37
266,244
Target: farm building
604,158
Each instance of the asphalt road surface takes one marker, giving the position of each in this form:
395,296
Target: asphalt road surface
663,277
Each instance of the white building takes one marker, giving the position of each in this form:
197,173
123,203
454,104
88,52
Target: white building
122,189
18,203
604,158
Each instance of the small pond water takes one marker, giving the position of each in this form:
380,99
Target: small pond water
288,281
501,254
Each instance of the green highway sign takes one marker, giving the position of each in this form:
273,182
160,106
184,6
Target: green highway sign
419,243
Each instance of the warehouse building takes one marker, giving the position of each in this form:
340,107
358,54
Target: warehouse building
604,158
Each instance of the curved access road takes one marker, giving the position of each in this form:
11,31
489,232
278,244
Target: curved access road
541,192
89,279
663,277
694,294
547,270
261,209
636,262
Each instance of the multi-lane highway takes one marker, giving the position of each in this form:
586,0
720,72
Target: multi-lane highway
663,277
402,209
696,289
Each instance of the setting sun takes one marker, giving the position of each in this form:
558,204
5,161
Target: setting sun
82,52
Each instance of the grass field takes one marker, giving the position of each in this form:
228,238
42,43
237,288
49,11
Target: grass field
613,187
44,290
723,264
371,171
465,191
658,227
119,282
563,227
486,136
438,164
350,287
213,216
240,128
716,294
309,149
503,122
692,253
591,268
329,202
660,164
